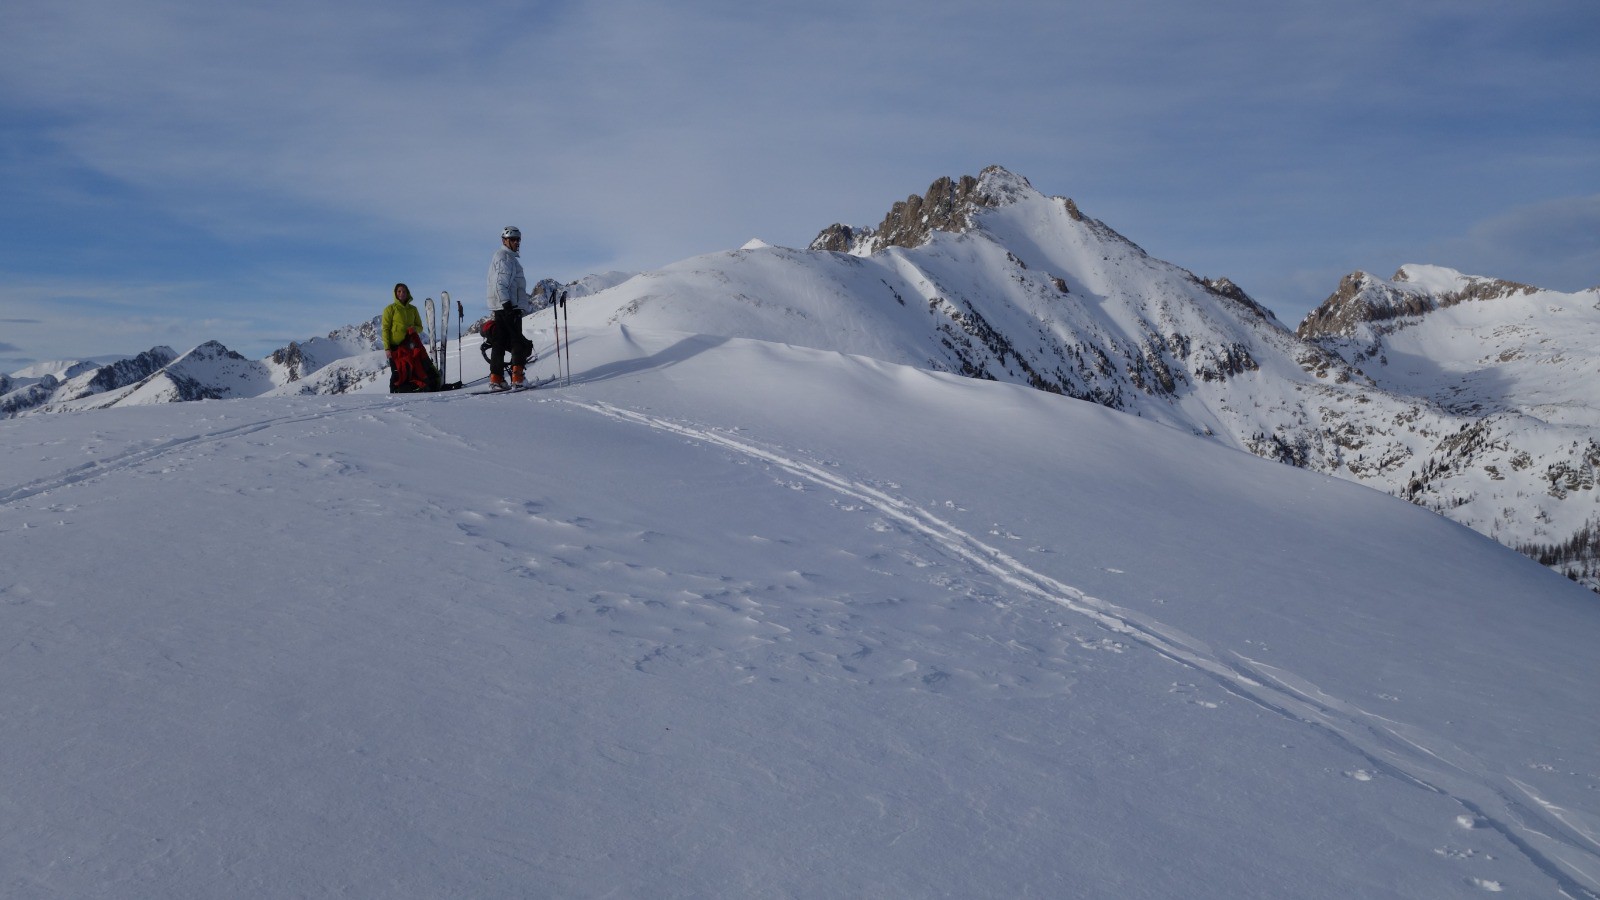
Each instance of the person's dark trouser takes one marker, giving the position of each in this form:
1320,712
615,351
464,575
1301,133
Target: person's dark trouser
508,339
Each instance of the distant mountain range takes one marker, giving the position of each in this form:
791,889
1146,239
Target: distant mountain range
1468,395
345,360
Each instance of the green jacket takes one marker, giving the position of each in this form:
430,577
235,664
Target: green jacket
397,317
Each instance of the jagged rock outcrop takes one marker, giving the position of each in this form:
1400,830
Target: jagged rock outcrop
1226,289
124,372
349,358
299,360
1363,299
81,380
948,205
838,238
19,400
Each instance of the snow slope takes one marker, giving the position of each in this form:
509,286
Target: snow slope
1517,364
1475,345
1485,416
992,279
731,618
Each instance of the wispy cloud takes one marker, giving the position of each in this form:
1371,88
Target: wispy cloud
274,149
1554,245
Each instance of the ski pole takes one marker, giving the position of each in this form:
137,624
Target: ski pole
555,316
565,321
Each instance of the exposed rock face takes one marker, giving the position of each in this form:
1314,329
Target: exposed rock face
347,359
838,238
948,205
1226,289
83,380
292,358
127,371
1363,298
21,400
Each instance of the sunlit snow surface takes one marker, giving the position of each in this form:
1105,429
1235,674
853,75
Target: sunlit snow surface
735,619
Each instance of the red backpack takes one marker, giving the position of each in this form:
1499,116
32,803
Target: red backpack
413,371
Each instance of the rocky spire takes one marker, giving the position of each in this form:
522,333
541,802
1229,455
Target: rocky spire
948,205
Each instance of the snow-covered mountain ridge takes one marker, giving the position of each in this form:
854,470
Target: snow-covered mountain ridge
347,359
991,279
986,277
1517,365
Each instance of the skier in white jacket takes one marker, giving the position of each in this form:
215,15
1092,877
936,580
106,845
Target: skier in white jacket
510,300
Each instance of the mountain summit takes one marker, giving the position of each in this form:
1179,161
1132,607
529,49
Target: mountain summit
989,278
948,205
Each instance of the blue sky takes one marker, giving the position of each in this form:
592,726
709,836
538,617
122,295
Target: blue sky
178,171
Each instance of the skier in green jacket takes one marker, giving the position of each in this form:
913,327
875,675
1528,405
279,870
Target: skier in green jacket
409,366
400,318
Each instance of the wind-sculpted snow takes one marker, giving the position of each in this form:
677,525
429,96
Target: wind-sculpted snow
731,618
1550,836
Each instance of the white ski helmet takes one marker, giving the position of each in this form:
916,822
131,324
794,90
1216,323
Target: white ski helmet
510,231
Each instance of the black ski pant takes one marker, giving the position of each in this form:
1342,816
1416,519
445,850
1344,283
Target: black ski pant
508,338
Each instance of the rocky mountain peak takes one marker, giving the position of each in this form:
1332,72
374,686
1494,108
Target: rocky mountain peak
948,205
1226,289
1414,290
1360,298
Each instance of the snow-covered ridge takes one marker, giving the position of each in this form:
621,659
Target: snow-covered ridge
1515,364
1438,333
987,277
347,359
1487,420
1363,302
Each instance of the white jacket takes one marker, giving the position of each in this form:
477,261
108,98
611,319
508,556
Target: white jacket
507,284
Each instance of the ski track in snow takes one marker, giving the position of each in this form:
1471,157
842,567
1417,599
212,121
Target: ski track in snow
1559,843
1566,849
130,458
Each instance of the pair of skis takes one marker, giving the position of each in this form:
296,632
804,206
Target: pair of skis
444,336
518,388
439,338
